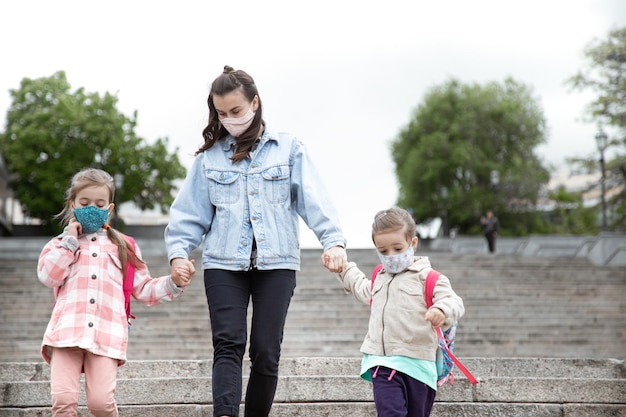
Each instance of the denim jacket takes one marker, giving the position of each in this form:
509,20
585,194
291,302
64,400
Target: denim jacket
259,198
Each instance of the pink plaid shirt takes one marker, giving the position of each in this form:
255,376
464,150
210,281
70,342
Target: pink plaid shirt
89,312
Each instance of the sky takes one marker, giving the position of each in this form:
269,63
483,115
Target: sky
344,76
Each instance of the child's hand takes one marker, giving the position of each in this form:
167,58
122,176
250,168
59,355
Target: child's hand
182,270
184,275
73,228
435,316
335,259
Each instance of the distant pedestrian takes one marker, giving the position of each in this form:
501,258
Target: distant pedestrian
85,265
399,350
490,226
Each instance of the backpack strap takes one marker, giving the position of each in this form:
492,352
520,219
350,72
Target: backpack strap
429,290
129,281
429,287
374,275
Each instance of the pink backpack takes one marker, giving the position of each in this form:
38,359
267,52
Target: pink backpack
129,281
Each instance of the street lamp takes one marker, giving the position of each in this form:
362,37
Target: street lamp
602,140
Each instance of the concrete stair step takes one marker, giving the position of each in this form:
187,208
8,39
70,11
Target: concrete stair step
331,386
357,409
295,389
502,367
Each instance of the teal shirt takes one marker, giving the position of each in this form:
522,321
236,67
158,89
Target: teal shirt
419,369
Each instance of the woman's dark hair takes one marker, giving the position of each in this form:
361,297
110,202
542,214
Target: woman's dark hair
227,82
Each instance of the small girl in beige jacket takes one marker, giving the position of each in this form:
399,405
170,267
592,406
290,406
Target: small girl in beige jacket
399,350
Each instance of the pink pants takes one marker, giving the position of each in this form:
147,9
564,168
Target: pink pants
66,365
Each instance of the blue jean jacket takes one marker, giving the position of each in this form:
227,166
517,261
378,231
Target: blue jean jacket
230,204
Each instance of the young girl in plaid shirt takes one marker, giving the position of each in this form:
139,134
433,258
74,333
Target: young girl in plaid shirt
85,265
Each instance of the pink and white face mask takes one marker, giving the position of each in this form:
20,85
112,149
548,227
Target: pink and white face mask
398,262
237,125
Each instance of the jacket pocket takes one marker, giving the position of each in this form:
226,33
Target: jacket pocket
276,184
224,187
410,296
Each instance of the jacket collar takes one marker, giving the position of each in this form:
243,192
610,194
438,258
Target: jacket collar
421,263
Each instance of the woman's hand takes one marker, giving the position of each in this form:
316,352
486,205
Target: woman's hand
335,259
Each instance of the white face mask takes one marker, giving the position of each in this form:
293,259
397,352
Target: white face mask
398,262
237,125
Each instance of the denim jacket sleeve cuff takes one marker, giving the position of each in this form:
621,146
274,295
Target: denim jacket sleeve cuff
177,254
332,244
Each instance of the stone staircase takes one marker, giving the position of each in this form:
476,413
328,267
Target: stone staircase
539,332
330,387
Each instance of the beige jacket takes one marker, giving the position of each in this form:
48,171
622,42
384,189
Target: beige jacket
397,325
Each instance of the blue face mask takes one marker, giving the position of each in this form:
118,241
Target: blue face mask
91,218
398,262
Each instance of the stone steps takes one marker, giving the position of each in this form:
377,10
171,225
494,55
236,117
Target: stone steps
531,327
515,306
331,386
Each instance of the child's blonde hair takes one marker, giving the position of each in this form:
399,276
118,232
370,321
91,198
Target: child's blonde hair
394,219
95,177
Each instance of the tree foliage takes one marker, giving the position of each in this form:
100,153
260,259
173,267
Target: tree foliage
605,75
570,216
52,132
458,137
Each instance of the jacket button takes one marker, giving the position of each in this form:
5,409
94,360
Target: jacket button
94,255
93,239
92,301
90,324
93,276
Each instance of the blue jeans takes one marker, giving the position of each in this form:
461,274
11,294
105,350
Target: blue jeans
228,294
398,395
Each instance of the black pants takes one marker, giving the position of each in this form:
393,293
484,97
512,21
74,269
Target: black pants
491,241
228,294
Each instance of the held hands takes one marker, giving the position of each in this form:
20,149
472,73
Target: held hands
435,316
182,270
335,259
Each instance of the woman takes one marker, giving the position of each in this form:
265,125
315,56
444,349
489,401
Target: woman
244,193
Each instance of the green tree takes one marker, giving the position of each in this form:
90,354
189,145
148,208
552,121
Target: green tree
52,132
458,138
605,75
570,216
